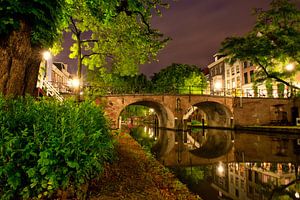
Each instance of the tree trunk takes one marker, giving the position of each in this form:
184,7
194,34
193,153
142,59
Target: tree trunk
19,63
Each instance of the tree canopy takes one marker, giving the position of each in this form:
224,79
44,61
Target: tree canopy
118,38
27,27
272,44
182,77
43,17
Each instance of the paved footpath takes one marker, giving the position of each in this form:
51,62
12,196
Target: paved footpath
136,175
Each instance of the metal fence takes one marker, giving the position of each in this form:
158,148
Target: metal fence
104,90
190,90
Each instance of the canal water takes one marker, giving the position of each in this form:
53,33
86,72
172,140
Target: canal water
225,164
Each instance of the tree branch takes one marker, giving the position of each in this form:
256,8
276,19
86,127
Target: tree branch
91,54
74,29
88,41
283,187
275,77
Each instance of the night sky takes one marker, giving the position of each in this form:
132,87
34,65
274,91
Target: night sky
197,28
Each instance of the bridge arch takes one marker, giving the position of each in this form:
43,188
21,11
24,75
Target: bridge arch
164,114
217,114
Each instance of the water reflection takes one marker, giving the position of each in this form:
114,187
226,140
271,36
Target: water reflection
238,165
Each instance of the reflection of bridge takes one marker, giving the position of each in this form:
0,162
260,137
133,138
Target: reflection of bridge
175,148
221,111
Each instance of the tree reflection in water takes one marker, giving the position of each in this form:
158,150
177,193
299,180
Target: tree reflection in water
254,165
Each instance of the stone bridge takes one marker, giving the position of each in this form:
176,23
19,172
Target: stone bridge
220,111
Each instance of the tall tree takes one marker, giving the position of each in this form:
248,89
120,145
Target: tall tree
272,44
26,27
120,41
180,77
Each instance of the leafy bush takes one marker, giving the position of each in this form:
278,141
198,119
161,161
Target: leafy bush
47,146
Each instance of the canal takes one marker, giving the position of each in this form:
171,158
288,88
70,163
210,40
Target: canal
226,164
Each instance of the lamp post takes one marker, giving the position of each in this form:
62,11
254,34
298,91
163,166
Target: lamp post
290,67
47,56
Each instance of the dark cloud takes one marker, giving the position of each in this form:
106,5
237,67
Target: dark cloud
198,27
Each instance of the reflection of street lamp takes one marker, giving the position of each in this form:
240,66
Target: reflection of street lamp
221,169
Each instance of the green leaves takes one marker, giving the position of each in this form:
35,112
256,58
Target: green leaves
179,76
46,146
272,44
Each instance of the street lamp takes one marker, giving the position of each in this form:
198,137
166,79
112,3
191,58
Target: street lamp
290,67
75,83
47,56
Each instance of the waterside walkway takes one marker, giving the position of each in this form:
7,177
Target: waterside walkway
137,175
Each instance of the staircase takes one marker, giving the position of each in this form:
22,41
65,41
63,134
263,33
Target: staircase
51,91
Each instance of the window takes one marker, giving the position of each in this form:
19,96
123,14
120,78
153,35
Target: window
251,75
249,175
236,192
242,184
246,78
233,83
236,181
245,64
238,82
232,70
228,73
237,69
228,84
231,179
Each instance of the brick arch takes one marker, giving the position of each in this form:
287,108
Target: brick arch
164,114
217,113
115,105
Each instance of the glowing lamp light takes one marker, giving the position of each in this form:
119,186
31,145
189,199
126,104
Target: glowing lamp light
297,195
289,67
46,55
75,83
220,169
218,85
151,110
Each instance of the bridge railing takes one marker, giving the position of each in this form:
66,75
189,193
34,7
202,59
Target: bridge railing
189,90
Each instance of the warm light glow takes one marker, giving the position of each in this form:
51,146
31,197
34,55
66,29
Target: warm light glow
218,85
151,110
46,55
75,83
290,67
297,195
220,169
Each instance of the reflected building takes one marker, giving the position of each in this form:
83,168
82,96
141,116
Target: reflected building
251,181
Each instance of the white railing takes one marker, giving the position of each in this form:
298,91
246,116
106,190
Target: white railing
51,91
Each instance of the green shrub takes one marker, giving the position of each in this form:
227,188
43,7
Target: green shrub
47,146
